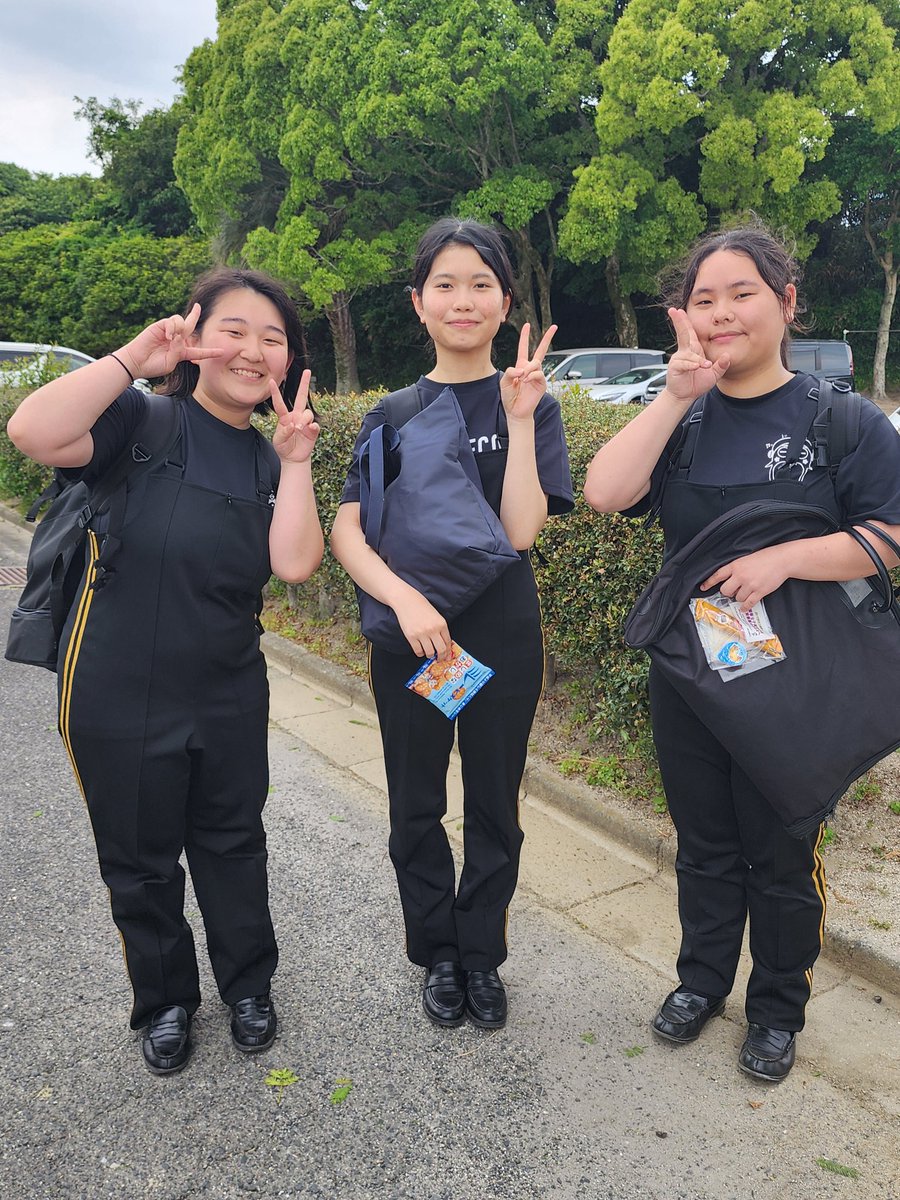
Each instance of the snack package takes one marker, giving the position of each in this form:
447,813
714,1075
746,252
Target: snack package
735,642
450,685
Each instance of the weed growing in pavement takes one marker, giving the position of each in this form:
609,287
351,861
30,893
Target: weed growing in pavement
343,1088
829,838
885,925
589,1037
866,788
894,806
836,1168
634,1051
280,1078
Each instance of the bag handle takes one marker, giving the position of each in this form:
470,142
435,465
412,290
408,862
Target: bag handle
889,600
381,441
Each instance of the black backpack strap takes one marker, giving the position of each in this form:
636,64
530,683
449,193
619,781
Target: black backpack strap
400,406
836,425
50,492
683,452
155,434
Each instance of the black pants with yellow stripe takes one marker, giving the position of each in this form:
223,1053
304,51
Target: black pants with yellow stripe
735,861
194,785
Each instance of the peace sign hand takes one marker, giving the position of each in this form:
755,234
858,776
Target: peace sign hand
297,428
160,347
690,373
522,386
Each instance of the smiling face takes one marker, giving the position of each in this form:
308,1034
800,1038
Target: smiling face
735,312
250,330
462,305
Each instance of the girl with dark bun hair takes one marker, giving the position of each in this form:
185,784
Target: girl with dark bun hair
732,304
163,692
462,290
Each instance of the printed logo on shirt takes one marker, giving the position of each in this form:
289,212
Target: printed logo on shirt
777,456
481,445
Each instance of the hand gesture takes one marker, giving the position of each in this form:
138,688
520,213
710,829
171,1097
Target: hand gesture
690,373
522,386
297,428
160,347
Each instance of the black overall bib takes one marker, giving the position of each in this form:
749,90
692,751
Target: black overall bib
503,630
735,858
163,704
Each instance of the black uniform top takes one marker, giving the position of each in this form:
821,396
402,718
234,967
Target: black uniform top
216,455
742,442
480,403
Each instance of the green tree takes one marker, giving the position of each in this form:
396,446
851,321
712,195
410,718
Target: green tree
28,199
711,109
136,153
866,165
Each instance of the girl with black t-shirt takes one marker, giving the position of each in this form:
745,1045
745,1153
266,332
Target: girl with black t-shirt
163,693
462,291
732,305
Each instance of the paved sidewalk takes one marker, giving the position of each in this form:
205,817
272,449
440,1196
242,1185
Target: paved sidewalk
597,868
595,863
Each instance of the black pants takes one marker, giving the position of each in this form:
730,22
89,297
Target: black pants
445,923
198,788
735,860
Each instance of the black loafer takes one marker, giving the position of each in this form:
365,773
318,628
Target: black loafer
768,1053
444,994
683,1014
485,999
165,1044
253,1024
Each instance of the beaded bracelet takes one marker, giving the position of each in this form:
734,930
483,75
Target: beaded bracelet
121,364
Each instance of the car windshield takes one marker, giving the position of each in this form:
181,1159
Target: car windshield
636,375
551,361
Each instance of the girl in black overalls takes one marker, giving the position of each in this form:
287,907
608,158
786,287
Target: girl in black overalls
732,425
162,685
462,291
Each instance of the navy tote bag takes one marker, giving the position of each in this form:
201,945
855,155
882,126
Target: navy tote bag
804,728
423,510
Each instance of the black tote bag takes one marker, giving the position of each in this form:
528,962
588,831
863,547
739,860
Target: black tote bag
805,728
423,510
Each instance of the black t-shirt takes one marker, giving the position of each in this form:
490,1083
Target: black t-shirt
743,441
216,455
480,404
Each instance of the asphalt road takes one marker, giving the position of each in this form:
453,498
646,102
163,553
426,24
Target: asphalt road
573,1100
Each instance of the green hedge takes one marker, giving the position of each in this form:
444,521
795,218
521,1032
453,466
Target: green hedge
594,566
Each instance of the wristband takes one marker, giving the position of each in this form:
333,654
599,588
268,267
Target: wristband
121,364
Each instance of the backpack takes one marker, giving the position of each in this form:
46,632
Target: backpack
55,558
833,425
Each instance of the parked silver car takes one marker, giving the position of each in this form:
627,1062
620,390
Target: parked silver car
18,358
630,387
591,365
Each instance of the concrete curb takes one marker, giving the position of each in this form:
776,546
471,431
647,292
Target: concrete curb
582,803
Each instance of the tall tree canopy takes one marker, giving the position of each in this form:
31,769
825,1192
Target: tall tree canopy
710,108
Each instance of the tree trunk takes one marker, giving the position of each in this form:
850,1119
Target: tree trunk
884,325
343,338
626,318
532,275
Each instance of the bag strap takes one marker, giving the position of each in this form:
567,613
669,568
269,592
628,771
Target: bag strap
401,406
154,434
880,533
836,425
889,600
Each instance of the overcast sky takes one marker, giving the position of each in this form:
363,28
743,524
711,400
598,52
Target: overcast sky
54,50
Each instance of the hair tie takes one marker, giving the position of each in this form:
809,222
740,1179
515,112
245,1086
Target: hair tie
121,364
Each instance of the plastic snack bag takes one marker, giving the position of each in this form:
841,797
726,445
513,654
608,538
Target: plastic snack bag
735,642
450,685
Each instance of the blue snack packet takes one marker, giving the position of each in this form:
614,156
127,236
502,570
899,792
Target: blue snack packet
450,685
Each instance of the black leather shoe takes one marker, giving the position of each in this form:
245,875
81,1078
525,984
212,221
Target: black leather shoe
165,1044
683,1014
444,994
768,1053
485,999
253,1024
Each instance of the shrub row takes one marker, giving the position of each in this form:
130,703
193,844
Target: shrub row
590,567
